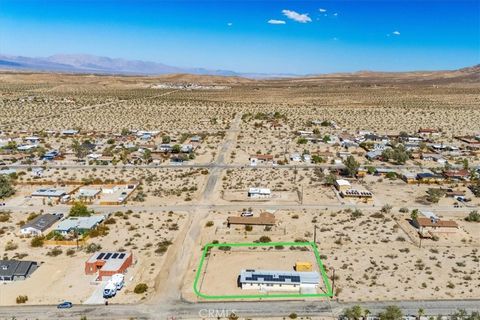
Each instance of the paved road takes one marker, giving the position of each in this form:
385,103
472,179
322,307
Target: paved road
230,138
210,165
183,310
238,206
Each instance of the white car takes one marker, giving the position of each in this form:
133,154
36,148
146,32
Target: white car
247,214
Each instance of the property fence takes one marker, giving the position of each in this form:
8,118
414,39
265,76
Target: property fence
79,242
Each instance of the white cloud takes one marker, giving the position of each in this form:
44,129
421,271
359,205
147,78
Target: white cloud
335,14
273,21
299,17
230,24
322,10
397,33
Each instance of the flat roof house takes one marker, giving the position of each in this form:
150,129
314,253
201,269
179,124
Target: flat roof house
49,193
259,193
264,219
270,280
39,224
431,225
12,270
79,224
69,132
108,263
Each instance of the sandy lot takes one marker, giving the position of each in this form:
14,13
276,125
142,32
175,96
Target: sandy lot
221,269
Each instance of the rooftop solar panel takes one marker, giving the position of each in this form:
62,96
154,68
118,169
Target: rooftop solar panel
115,255
107,256
122,255
100,256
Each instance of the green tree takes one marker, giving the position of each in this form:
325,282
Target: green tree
166,139
351,165
433,195
302,140
79,149
176,148
11,145
391,313
414,214
353,313
79,209
317,159
400,154
473,216
6,187
330,179
147,155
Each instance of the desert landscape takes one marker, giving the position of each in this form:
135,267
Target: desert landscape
196,149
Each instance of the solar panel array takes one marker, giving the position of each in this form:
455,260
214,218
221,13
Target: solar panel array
273,278
109,255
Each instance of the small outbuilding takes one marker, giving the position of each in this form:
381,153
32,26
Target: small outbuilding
342,185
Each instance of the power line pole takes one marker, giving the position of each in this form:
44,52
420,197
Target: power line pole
333,281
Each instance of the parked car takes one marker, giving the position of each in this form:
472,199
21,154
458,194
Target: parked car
65,305
247,214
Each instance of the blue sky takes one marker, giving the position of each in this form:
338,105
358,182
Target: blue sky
273,36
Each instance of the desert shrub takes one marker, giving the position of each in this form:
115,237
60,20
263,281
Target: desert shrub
93,247
37,242
248,228
4,216
10,246
162,246
377,215
110,221
22,299
140,288
265,239
356,214
54,252
209,224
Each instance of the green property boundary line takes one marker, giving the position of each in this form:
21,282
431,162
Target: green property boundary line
207,247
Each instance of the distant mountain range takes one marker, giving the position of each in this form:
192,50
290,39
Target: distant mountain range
85,63
90,64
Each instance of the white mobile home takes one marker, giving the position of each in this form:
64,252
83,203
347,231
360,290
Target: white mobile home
268,280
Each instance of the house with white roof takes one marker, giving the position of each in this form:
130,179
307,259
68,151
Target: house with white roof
259,193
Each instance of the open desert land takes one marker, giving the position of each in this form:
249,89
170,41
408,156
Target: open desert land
375,255
355,102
